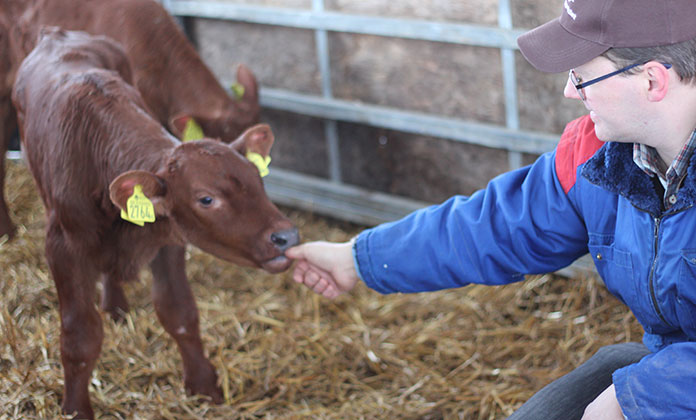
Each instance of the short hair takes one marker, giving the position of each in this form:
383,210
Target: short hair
682,57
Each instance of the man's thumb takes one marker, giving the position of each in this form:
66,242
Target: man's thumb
296,252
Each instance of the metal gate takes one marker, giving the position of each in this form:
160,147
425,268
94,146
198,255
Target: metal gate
331,196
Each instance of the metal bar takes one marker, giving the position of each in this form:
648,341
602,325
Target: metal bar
582,267
408,121
13,155
330,126
467,34
323,53
507,56
167,4
340,201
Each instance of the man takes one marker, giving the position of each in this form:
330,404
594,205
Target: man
621,185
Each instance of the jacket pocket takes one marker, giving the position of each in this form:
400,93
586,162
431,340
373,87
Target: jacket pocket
686,293
615,266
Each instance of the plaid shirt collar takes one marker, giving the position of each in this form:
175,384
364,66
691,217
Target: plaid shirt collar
647,159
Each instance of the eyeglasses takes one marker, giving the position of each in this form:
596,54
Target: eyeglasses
580,85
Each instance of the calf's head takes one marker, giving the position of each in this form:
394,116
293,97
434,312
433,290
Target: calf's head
227,120
214,197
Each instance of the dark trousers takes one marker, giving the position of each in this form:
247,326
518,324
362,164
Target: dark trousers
566,397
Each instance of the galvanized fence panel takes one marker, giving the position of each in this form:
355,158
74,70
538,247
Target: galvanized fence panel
509,137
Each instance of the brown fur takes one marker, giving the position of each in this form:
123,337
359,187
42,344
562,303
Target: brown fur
172,79
88,138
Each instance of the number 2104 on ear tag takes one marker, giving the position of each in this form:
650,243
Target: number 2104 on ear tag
139,208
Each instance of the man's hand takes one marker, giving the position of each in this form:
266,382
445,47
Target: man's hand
604,407
326,268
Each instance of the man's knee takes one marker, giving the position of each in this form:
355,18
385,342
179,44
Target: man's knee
622,353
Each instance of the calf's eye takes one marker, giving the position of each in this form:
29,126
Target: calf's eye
206,201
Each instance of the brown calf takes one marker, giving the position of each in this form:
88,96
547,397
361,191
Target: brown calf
174,82
90,143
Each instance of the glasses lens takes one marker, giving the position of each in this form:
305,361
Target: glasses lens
575,81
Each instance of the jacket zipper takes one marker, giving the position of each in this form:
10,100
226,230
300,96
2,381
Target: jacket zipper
651,279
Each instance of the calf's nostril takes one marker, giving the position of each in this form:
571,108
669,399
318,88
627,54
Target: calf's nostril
285,238
278,240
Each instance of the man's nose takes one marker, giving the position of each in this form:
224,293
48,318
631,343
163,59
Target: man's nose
569,91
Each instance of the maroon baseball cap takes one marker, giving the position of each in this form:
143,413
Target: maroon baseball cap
587,28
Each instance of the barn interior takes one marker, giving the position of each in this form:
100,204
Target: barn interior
449,115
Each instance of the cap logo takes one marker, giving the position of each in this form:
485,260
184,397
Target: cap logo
569,10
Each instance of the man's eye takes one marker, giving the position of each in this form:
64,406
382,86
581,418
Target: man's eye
206,201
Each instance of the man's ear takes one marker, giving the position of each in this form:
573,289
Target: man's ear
658,80
257,139
154,188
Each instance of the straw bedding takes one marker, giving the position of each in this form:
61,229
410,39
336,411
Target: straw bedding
283,353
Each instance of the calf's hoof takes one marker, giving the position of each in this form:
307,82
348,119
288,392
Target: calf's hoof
117,314
115,304
205,383
84,412
8,230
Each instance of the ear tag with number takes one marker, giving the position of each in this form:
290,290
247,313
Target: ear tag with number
140,208
192,131
260,162
238,90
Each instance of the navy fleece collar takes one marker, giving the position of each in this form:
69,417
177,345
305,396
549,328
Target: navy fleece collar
613,169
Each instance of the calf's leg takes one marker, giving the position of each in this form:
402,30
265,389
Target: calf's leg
176,310
113,300
81,331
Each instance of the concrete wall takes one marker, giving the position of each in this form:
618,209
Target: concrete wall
438,78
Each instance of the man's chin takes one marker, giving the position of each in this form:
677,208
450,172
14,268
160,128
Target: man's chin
600,133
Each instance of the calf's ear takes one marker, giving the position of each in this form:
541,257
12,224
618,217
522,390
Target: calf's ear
185,128
154,188
247,79
257,139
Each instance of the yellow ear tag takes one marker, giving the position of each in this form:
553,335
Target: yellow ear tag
260,162
238,90
192,131
140,208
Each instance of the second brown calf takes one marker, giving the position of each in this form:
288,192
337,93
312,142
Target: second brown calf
90,141
174,82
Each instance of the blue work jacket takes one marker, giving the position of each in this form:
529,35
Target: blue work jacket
585,196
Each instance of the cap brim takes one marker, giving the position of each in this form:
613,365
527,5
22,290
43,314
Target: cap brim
552,49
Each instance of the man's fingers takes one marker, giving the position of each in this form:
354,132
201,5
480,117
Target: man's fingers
311,278
316,264
296,252
321,286
323,273
300,270
331,292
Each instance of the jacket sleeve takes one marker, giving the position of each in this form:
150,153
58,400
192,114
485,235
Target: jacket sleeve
524,222
660,386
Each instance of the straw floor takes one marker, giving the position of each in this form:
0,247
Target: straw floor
283,353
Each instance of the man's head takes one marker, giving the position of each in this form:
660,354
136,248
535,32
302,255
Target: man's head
680,56
649,45
587,29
